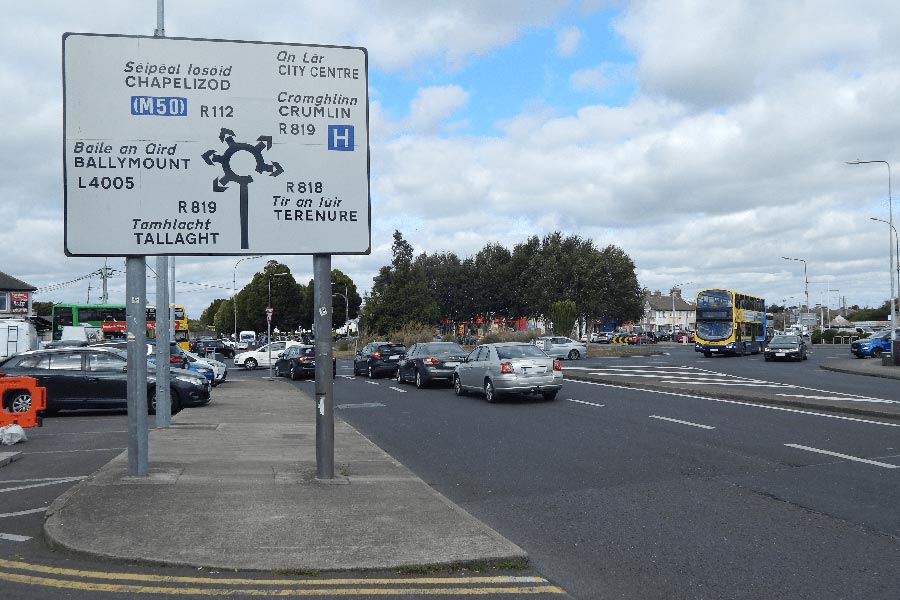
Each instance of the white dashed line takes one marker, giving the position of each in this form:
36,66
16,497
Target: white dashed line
585,402
846,456
23,512
14,538
396,389
681,422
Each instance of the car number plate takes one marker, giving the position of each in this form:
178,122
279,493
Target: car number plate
713,349
393,357
779,354
533,370
451,364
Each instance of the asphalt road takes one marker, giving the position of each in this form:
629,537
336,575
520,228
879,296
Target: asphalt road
623,493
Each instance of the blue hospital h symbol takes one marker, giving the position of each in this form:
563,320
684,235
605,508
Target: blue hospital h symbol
340,137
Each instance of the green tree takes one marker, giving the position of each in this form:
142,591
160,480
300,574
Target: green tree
563,315
287,300
208,316
223,322
42,309
400,294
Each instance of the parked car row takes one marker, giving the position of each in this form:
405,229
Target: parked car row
96,377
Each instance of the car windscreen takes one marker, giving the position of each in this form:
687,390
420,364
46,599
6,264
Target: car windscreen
520,351
392,349
788,340
445,349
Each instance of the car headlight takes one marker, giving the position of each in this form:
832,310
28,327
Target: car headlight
191,380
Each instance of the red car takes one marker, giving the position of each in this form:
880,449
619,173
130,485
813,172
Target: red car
683,337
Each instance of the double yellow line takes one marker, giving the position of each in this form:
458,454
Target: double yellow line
137,583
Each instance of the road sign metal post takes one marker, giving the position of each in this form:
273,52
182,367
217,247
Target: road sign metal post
163,353
324,378
136,332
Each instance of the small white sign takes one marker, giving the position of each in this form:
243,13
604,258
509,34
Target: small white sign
179,146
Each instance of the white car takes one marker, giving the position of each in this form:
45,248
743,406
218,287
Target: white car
562,347
260,357
220,369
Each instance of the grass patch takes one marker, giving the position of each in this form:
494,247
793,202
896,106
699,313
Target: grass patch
465,567
297,572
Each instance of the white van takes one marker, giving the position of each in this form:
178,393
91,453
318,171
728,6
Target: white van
246,339
17,336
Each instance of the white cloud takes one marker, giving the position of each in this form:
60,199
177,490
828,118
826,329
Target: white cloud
567,41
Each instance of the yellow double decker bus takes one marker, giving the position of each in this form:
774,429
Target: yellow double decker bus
729,322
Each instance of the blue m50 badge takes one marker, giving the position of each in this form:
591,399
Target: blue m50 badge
340,137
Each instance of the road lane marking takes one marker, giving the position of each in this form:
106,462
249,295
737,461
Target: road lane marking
585,402
23,512
372,382
739,403
35,485
841,398
845,456
132,583
83,450
363,405
396,389
682,422
10,537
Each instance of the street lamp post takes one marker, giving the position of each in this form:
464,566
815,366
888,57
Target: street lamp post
234,293
805,278
897,245
346,298
269,319
890,245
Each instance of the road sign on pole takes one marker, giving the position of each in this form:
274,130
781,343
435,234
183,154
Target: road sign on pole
177,146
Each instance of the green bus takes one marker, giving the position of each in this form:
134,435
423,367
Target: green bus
110,318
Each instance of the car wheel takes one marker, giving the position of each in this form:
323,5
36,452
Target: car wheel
876,352
805,356
174,400
490,394
151,401
355,370
399,376
18,401
250,364
457,386
292,373
420,380
370,373
574,355
767,358
550,395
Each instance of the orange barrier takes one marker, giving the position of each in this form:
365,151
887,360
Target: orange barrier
23,400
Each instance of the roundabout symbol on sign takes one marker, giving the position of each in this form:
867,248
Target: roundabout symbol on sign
220,184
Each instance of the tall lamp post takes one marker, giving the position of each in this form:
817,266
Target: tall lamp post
805,278
234,293
346,305
897,244
269,319
890,245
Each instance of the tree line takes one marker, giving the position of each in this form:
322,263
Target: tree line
526,281
292,302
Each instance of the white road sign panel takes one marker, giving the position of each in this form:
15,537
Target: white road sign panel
199,147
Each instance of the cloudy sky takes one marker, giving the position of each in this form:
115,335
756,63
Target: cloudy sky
706,139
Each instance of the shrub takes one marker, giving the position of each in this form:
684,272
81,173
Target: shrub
816,337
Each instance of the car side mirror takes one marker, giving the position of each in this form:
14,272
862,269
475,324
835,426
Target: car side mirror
280,355
359,352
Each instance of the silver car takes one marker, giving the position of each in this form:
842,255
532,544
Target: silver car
562,347
508,368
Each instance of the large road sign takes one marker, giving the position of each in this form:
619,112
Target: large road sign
198,147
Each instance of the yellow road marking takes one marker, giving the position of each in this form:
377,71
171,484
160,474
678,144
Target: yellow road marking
22,566
193,591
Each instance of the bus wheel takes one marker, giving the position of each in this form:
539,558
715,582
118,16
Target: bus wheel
707,354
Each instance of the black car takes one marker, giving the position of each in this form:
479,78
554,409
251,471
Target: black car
300,361
95,377
430,361
208,346
786,347
378,358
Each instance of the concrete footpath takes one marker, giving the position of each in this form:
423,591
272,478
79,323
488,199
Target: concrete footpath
232,485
